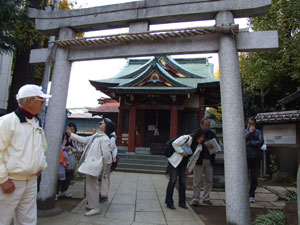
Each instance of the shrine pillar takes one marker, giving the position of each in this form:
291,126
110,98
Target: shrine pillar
132,128
201,108
142,128
174,122
236,175
54,124
120,126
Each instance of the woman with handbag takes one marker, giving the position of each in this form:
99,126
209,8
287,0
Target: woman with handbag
92,162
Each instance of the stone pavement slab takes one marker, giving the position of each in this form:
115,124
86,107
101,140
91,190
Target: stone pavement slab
134,199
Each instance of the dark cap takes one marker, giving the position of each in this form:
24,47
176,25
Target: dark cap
110,126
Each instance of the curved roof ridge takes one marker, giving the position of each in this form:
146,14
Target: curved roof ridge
168,76
179,68
138,78
135,72
154,66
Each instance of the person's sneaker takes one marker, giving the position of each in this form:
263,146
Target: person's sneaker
195,203
207,202
92,212
68,194
251,199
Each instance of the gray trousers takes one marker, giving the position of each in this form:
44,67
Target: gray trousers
92,191
203,174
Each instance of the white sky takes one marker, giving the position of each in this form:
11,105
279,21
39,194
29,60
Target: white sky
81,92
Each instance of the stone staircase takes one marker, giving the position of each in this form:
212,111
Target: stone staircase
142,163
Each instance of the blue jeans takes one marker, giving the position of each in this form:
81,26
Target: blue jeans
174,172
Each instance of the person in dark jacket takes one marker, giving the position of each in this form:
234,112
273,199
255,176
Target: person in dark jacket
254,141
204,167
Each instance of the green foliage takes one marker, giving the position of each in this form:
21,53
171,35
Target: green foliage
273,165
16,29
11,11
215,113
280,176
290,196
273,217
273,74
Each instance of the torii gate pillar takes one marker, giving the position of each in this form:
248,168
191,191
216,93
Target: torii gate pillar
236,182
54,124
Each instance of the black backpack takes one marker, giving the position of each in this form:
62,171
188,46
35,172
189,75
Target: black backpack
169,150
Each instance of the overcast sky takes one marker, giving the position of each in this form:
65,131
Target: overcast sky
81,92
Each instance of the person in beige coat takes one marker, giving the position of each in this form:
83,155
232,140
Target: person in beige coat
92,163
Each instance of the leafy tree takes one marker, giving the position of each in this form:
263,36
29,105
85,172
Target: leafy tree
22,31
11,12
25,33
272,75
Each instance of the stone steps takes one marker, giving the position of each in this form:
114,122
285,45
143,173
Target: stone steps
142,163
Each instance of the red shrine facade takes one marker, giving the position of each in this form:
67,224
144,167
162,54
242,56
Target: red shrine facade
160,99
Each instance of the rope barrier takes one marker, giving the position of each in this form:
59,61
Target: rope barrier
149,35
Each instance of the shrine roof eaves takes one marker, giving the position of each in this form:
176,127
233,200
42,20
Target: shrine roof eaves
152,68
158,90
127,78
290,98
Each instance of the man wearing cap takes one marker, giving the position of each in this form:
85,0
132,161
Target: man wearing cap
22,147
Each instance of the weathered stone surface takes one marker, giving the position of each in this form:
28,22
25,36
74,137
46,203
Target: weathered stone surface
156,12
55,121
236,183
266,197
254,41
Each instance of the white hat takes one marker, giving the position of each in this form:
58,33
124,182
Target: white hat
31,90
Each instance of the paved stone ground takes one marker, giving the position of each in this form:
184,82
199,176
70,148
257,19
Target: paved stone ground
134,199
269,197
138,199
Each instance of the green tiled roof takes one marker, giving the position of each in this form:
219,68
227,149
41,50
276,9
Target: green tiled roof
196,72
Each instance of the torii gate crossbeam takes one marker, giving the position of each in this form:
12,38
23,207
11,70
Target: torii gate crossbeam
138,16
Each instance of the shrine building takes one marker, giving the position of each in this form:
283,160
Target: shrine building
160,98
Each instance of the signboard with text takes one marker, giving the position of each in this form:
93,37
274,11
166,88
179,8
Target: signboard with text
280,134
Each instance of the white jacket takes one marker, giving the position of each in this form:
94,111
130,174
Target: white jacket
22,147
178,145
100,145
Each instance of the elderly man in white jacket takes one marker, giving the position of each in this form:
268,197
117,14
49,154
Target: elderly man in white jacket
184,146
93,162
22,147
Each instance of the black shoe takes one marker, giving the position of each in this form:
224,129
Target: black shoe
101,199
183,206
171,206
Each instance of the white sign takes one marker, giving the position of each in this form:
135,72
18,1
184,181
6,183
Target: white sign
280,134
151,127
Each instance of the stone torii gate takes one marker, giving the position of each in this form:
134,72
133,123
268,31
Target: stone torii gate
138,16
